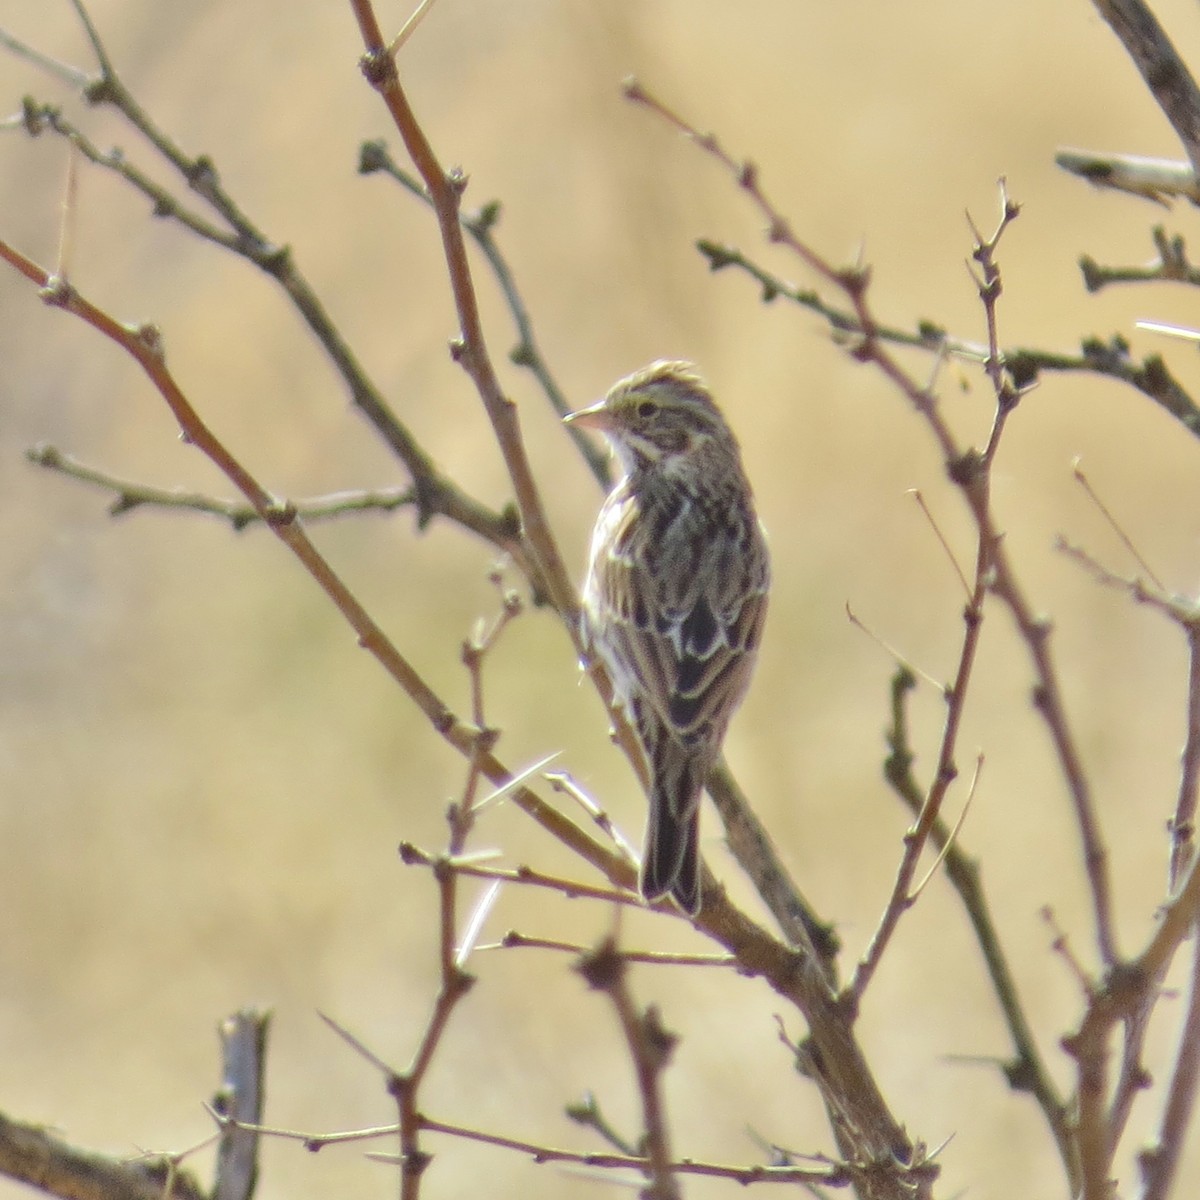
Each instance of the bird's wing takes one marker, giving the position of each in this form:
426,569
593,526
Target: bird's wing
686,613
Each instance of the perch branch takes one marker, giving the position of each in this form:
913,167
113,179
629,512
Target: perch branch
144,346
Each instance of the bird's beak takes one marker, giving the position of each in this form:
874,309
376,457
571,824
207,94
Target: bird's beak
597,417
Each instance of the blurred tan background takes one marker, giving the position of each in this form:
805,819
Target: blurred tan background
203,781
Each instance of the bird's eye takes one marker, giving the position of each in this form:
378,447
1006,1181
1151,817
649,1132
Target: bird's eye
647,409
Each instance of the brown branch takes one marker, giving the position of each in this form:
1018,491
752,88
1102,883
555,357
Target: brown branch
481,224
903,897
455,982
71,76
1108,359
650,1047
1127,992
436,494
589,1115
143,345
32,1155
657,958
1160,1163
470,349
915,839
832,1175
1183,821
413,856
1184,613
757,855
1027,1070
829,1176
1035,631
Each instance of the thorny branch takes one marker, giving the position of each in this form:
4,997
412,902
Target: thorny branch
830,1175
880,1155
968,468
1130,992
481,225
1027,1070
231,229
455,981
1109,359
143,345
650,1048
915,840
470,349
132,495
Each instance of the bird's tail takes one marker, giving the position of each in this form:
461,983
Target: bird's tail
671,859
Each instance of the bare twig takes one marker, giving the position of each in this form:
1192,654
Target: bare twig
1115,525
470,349
144,346
1177,608
756,853
1165,74
234,231
1183,821
64,72
1108,359
1027,1070
33,1155
1172,266
945,848
903,894
413,856
311,1141
650,1047
130,494
513,940
455,982
1160,1163
1061,945
830,1176
481,224
899,659
589,1114
917,495
562,783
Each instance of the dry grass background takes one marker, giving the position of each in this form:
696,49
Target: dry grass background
202,782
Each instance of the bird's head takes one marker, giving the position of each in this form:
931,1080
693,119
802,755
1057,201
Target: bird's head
657,417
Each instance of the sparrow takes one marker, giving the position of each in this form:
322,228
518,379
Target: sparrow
674,598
